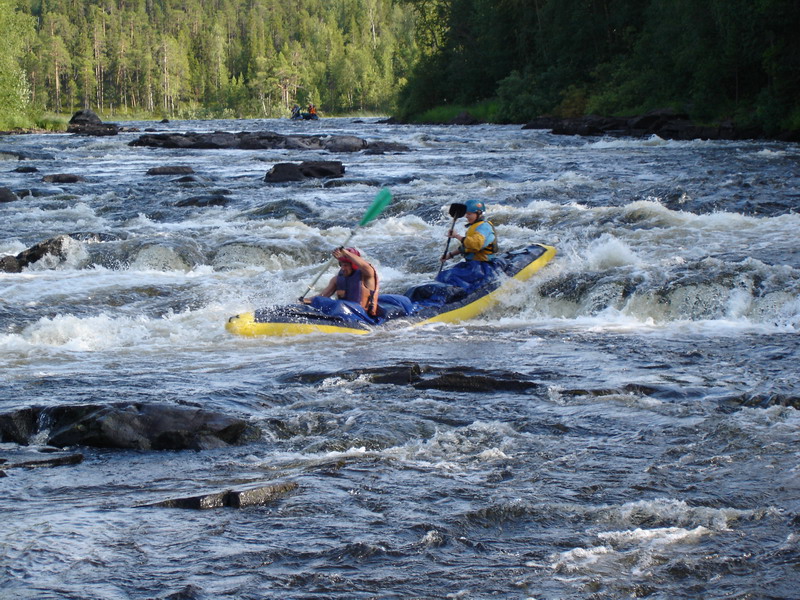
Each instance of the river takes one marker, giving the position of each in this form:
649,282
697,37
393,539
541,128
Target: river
654,454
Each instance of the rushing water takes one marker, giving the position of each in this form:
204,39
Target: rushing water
653,451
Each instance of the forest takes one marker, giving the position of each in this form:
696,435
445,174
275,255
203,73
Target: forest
207,58
714,60
506,60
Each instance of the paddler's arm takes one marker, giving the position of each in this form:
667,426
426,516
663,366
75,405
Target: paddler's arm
341,252
326,293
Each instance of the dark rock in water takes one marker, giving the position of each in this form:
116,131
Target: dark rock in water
432,378
144,427
6,195
98,130
126,425
282,208
63,178
256,496
244,140
86,122
171,170
9,264
190,592
205,200
477,383
85,116
35,192
19,426
189,179
384,147
26,154
284,172
53,246
37,456
29,169
345,143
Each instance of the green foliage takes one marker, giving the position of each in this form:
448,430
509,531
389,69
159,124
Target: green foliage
487,111
229,58
716,60
14,88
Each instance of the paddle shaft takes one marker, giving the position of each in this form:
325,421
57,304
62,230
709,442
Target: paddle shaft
447,246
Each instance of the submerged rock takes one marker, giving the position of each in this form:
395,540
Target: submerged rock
12,456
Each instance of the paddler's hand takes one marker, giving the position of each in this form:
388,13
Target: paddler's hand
304,300
448,256
453,234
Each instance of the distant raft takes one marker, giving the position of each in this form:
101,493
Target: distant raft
432,302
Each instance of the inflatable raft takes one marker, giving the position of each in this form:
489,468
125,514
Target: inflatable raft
432,302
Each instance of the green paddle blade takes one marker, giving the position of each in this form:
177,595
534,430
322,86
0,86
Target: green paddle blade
381,201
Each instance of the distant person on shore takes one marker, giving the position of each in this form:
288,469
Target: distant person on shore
478,247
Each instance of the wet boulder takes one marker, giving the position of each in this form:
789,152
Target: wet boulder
284,172
126,426
6,195
384,147
19,426
85,116
86,122
55,247
144,427
344,143
64,178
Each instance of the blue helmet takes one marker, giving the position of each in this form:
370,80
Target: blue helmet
475,206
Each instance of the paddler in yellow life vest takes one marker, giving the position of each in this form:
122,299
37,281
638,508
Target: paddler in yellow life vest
356,281
478,246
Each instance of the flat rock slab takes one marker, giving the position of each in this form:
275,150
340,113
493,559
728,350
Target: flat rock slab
15,457
255,496
245,140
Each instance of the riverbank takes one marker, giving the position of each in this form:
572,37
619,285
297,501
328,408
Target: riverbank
665,123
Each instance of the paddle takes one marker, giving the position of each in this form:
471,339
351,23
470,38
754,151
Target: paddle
382,200
456,211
